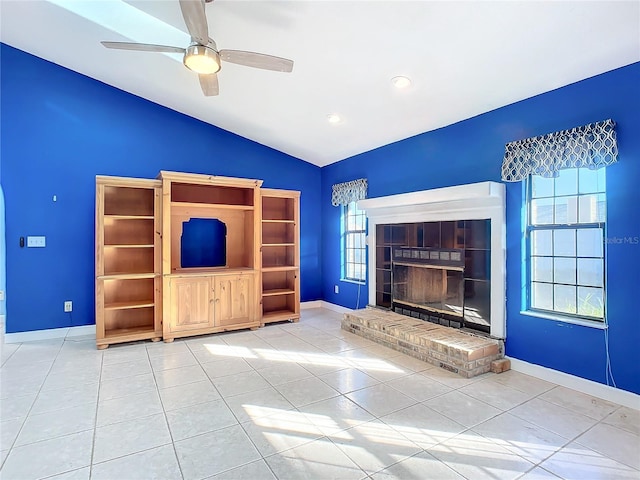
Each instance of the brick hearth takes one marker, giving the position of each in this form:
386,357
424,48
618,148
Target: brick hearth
457,351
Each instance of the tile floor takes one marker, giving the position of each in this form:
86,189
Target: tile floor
293,401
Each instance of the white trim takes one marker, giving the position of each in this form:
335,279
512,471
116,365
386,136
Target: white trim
335,308
50,333
616,395
561,318
475,201
311,304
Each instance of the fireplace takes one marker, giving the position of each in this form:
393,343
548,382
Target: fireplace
438,255
420,284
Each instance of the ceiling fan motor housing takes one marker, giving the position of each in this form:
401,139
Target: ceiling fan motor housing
201,59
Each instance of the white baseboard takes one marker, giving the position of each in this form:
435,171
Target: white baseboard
612,394
335,308
50,333
311,304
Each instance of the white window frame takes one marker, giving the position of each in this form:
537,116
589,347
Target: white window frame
584,310
354,239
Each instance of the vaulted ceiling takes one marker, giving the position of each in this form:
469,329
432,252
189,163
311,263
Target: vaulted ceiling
463,59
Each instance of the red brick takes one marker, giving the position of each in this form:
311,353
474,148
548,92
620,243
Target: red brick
502,365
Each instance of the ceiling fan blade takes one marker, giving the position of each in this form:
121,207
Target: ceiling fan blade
209,84
257,60
196,20
142,47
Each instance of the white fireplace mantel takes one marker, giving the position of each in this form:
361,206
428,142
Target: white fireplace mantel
476,201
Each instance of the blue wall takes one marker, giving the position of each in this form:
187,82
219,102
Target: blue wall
61,129
59,133
472,151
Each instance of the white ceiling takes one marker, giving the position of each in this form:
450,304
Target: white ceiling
464,58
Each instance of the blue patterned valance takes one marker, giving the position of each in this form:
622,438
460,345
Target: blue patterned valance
592,146
347,192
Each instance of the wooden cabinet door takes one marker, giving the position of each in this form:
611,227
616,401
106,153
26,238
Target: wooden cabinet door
190,304
234,298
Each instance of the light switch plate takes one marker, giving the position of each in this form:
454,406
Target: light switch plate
36,241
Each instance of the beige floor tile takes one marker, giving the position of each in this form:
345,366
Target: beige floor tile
462,408
121,387
279,374
374,446
158,463
198,419
122,409
304,392
79,474
318,459
255,471
126,369
625,418
44,426
281,431
50,400
187,395
16,407
166,362
419,387
348,380
381,399
180,376
422,425
577,462
474,456
416,468
613,442
125,438
54,456
579,402
553,417
209,454
259,403
521,437
496,394
335,414
240,383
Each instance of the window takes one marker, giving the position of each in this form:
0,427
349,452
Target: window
354,265
566,232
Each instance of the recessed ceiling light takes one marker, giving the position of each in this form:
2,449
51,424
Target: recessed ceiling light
333,118
401,82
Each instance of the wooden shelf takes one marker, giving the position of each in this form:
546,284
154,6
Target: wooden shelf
131,333
129,246
278,244
282,268
128,305
129,217
277,291
279,315
278,221
127,275
217,206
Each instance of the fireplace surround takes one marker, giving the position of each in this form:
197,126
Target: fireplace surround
481,284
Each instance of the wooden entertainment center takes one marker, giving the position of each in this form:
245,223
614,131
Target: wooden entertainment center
191,254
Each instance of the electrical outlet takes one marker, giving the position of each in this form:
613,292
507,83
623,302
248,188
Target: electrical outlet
336,289
39,241
1,295
68,306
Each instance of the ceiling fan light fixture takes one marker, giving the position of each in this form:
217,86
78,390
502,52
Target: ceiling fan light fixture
201,59
401,82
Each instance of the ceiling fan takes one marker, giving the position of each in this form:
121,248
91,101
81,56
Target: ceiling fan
202,55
